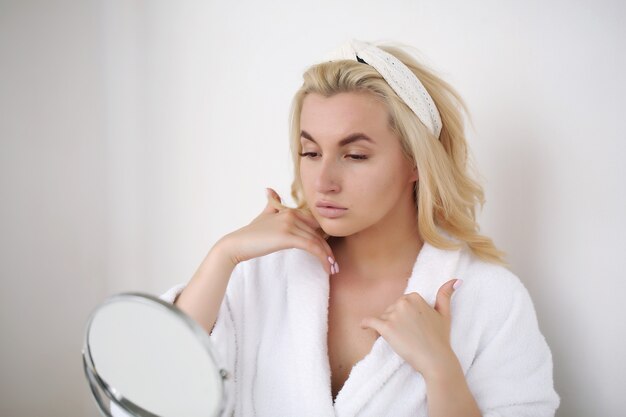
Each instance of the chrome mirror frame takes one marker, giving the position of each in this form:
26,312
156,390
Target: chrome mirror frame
99,387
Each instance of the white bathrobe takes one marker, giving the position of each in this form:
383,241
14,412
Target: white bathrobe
271,334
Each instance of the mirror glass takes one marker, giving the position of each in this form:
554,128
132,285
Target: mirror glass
145,357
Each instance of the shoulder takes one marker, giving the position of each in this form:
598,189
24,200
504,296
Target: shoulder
497,336
492,288
485,278
280,263
488,276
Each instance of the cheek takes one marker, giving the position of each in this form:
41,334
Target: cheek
307,180
377,180
304,175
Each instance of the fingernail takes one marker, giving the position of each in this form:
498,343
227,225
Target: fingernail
337,267
331,260
332,269
457,284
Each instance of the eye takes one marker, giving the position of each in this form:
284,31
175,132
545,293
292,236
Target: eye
354,157
308,154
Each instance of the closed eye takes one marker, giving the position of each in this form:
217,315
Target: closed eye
314,154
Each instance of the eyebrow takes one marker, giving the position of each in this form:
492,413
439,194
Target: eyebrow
343,142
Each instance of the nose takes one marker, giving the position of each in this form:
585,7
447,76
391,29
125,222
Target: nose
327,179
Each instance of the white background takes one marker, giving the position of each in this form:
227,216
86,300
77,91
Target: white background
135,134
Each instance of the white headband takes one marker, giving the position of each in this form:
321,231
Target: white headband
399,77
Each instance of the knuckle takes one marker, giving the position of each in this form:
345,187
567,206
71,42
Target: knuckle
404,304
413,296
285,227
387,324
311,245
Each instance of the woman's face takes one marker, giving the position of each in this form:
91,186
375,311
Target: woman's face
370,180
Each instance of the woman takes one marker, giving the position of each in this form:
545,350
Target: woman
343,306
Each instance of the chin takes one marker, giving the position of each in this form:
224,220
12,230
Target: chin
336,230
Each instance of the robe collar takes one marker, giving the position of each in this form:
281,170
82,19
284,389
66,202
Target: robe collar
308,300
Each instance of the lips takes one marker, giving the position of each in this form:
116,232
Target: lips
328,204
329,210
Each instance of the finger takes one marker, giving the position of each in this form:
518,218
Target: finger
299,219
308,219
304,230
274,204
414,296
323,242
442,304
373,323
314,226
391,307
275,201
274,194
385,316
305,241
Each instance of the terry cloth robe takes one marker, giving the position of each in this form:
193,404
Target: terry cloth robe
271,334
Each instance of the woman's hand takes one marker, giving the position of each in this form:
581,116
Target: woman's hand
417,332
278,227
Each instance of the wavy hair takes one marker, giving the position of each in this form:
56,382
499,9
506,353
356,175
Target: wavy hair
445,194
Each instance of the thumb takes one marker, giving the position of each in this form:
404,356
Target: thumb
442,305
273,201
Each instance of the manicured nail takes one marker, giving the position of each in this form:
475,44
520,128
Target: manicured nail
337,267
331,260
332,269
457,283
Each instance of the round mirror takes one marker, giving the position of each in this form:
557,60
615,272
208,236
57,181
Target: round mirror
145,357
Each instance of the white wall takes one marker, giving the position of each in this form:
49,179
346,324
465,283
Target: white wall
53,210
134,134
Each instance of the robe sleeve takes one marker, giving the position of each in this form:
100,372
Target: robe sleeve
511,374
172,294
224,337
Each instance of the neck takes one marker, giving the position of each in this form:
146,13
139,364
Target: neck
386,250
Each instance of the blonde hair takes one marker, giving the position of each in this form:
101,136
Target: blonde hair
445,193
